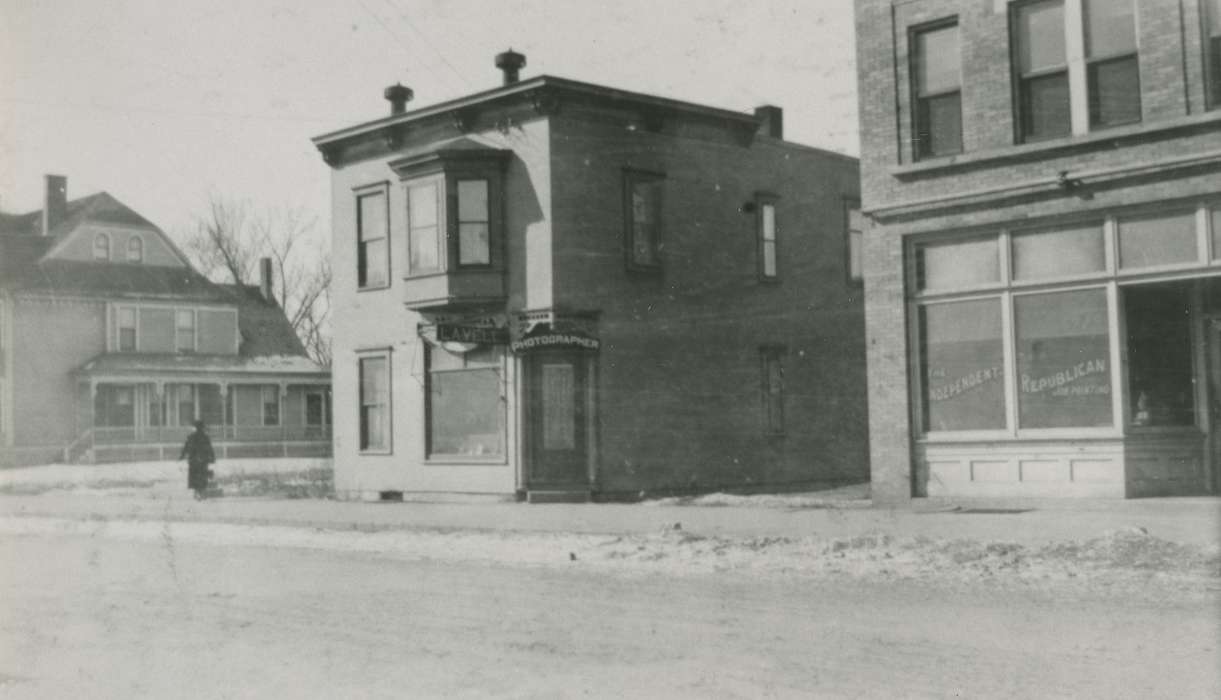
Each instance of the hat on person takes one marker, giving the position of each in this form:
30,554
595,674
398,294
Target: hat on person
199,425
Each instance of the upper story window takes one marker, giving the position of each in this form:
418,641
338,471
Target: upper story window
1212,48
854,241
1070,81
184,331
135,249
642,230
937,84
424,227
126,323
372,241
101,247
474,219
766,205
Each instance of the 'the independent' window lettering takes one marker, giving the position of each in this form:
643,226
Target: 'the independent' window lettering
372,247
938,91
424,227
643,219
374,404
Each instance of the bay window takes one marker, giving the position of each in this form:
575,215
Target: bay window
424,227
474,217
465,403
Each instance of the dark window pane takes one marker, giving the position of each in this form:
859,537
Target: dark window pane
313,409
211,409
1160,387
1114,92
1214,64
1040,36
936,64
374,404
958,264
371,263
1063,360
1044,254
962,366
939,125
1215,216
374,256
644,220
1161,240
1045,107
773,390
473,247
1110,27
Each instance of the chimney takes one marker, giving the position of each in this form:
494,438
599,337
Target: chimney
771,121
398,96
265,279
55,203
511,63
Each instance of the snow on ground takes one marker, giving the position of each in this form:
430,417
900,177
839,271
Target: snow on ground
144,474
1119,560
851,496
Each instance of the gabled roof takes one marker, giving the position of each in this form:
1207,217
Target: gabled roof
264,329
114,280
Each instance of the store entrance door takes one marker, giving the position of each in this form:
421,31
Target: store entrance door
558,400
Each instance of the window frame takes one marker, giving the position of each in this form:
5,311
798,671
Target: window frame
135,249
381,189
264,404
323,414
849,205
384,356
458,179
432,457
440,225
764,199
179,313
1092,62
631,178
101,247
919,100
1021,79
135,328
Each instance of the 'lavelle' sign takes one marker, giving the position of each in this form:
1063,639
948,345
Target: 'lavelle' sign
453,333
554,340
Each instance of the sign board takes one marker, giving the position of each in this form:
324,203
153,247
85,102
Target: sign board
552,339
453,333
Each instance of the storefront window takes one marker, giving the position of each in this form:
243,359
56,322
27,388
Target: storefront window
1063,360
1050,254
464,403
1160,387
962,365
1160,240
958,264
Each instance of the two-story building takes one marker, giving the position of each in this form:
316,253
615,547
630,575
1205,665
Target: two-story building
1043,182
556,290
112,345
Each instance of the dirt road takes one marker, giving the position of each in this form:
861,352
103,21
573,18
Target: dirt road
104,617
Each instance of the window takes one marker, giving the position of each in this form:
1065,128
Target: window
184,330
1068,81
464,403
114,406
773,389
958,264
185,398
374,404
1212,49
1215,224
1157,240
101,247
372,247
1160,387
1063,359
962,365
937,80
126,322
315,410
424,227
473,223
271,405
135,249
1112,72
1059,253
855,242
766,206
643,220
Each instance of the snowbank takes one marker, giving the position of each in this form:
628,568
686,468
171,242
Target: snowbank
135,474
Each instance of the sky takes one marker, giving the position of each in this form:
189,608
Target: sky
167,103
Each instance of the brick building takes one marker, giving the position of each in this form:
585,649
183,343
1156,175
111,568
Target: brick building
1043,182
557,289
111,345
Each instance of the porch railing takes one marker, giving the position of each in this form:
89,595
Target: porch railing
149,435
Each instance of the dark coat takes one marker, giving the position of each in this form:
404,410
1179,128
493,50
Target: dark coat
198,449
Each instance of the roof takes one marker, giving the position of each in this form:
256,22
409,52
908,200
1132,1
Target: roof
526,86
110,280
170,363
264,328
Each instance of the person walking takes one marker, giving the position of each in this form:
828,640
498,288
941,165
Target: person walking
197,451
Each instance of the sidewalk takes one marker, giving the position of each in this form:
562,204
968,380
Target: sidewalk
1194,521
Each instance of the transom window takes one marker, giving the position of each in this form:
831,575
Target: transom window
642,219
372,246
465,414
1071,81
937,83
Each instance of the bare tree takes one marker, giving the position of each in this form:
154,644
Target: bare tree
227,242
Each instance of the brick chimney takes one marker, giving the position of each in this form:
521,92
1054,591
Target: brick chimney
771,121
511,63
55,203
398,96
265,280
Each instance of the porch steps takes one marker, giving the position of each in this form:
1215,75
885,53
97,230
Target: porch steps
558,496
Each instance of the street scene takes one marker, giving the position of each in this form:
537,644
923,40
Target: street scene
529,349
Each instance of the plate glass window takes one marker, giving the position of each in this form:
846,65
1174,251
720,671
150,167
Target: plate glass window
938,86
373,250
424,228
962,365
1063,359
374,404
473,223
464,402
